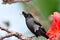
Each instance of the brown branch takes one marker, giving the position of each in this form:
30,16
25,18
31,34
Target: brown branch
14,1
6,36
16,34
5,29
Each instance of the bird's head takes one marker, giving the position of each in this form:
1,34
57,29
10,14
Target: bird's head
27,15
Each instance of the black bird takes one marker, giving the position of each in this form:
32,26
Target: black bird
34,26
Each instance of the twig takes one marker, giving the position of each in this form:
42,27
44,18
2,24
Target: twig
5,29
13,33
14,1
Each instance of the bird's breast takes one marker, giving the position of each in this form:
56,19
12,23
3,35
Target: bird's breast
30,22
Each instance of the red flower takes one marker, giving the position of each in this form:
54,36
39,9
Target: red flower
54,29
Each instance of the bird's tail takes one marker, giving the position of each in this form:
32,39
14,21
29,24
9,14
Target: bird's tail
44,33
46,36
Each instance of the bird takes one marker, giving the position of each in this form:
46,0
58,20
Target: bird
34,26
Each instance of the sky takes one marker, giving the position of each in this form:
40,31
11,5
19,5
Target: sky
11,13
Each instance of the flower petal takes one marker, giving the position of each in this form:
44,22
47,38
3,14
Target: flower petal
55,26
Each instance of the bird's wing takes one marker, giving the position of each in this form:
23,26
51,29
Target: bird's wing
44,30
36,22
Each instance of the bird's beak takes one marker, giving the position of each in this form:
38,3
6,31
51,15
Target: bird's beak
23,13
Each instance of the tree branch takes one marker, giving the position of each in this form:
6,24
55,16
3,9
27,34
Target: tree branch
13,33
14,1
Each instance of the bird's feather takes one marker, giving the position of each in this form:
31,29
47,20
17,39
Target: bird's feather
37,22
